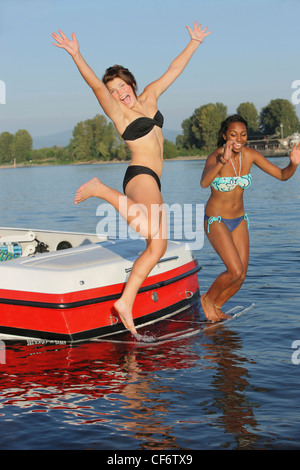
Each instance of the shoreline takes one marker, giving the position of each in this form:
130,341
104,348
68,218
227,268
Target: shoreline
93,162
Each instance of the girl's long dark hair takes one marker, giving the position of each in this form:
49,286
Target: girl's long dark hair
225,124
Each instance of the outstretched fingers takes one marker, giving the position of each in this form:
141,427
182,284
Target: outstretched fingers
57,38
63,42
197,33
61,39
295,154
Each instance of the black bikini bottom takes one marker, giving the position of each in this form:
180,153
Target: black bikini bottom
134,170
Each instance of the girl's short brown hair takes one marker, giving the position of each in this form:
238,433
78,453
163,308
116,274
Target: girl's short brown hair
117,71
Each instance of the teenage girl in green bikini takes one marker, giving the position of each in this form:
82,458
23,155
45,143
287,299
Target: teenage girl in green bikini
227,171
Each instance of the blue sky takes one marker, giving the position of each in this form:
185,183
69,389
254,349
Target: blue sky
252,55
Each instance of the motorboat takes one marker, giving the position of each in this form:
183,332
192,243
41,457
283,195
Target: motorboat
61,286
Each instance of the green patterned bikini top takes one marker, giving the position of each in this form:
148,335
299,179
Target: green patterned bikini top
228,183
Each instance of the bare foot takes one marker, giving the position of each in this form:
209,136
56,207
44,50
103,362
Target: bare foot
125,315
209,309
94,187
221,315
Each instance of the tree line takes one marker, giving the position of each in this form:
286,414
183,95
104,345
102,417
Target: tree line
97,140
200,131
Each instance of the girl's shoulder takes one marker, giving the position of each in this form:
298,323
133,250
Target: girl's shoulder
216,154
251,154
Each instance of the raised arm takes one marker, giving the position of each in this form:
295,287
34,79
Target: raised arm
105,99
282,174
214,163
178,65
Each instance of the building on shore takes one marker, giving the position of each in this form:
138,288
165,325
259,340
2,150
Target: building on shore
273,146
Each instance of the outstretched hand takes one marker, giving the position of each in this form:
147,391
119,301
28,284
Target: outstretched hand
71,46
295,154
197,34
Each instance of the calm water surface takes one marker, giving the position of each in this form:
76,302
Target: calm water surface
234,386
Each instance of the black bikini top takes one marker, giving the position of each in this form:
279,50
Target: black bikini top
142,126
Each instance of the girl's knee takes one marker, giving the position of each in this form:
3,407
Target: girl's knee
236,273
239,274
157,248
243,276
162,248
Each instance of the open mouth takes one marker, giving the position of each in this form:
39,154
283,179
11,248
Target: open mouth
237,146
126,99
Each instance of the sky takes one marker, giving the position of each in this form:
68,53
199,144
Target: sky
252,55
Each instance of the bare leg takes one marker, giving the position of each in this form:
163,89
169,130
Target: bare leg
136,213
142,194
140,270
224,244
241,239
143,190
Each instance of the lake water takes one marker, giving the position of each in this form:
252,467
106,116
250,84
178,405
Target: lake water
235,386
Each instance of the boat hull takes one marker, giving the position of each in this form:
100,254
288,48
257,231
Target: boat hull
69,296
83,319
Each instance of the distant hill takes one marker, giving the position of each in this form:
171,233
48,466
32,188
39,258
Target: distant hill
62,139
171,135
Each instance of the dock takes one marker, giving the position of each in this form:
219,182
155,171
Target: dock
274,147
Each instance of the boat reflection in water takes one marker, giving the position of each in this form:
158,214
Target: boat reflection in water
135,390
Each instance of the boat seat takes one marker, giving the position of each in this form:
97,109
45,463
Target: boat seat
10,245
24,237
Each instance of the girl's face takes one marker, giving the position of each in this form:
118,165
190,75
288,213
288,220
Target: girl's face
121,91
237,134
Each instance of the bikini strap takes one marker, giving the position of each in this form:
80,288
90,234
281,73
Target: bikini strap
213,219
247,220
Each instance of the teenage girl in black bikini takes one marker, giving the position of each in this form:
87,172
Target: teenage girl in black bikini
139,122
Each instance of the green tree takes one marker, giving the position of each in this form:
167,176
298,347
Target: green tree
186,140
210,120
170,149
279,115
106,138
95,139
6,140
201,129
249,112
82,141
21,146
